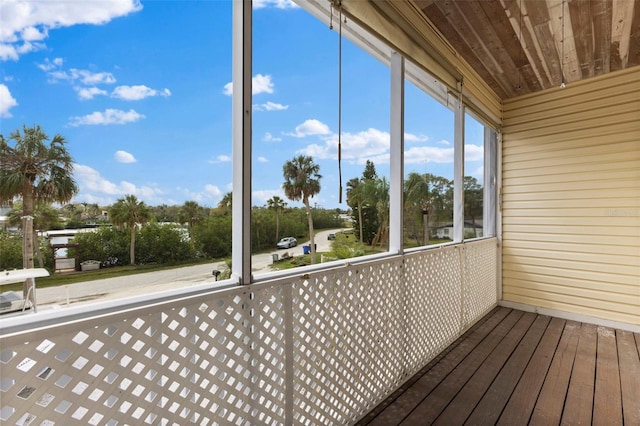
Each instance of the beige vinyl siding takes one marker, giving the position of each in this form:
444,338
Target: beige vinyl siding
571,198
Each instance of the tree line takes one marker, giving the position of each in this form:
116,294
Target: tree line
34,175
427,204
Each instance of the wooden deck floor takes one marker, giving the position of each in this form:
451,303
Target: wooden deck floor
517,368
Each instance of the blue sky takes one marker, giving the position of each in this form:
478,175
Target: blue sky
141,91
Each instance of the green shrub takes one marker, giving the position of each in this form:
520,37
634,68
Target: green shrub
11,250
163,244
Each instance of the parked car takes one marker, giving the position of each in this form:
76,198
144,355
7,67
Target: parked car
287,242
331,236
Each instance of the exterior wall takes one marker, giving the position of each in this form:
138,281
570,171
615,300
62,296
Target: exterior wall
571,198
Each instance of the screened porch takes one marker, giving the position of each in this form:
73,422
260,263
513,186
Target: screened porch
548,299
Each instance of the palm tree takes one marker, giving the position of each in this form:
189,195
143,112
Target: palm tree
276,204
128,212
38,173
190,213
381,191
226,203
472,201
301,182
416,206
45,218
356,196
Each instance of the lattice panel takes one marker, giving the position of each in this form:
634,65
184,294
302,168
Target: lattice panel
480,291
216,361
434,288
324,348
348,344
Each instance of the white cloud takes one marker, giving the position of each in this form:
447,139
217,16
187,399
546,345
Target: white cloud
428,154
109,116
473,152
94,186
89,77
259,84
268,137
24,24
124,157
220,159
74,75
310,127
278,4
365,144
50,65
270,106
262,160
6,101
135,93
260,197
410,137
208,193
373,144
86,93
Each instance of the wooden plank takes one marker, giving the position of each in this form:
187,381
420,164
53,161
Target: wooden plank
578,407
633,55
523,399
548,408
628,351
494,400
607,402
451,34
438,400
601,12
414,394
580,15
542,46
474,389
622,10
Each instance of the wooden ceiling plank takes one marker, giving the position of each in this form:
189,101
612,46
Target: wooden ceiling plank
564,42
582,28
621,23
560,40
476,29
601,15
435,15
542,43
634,38
528,75
504,19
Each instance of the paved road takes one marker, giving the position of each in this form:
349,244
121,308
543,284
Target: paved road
119,287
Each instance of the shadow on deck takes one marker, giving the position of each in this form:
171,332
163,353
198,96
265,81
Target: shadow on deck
516,368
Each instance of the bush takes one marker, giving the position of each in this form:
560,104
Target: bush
11,249
101,244
163,244
346,246
213,236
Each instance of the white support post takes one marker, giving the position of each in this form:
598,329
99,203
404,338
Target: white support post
396,154
490,183
458,171
241,150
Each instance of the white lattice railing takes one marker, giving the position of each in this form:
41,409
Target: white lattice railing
322,348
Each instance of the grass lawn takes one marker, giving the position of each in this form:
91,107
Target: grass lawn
64,278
